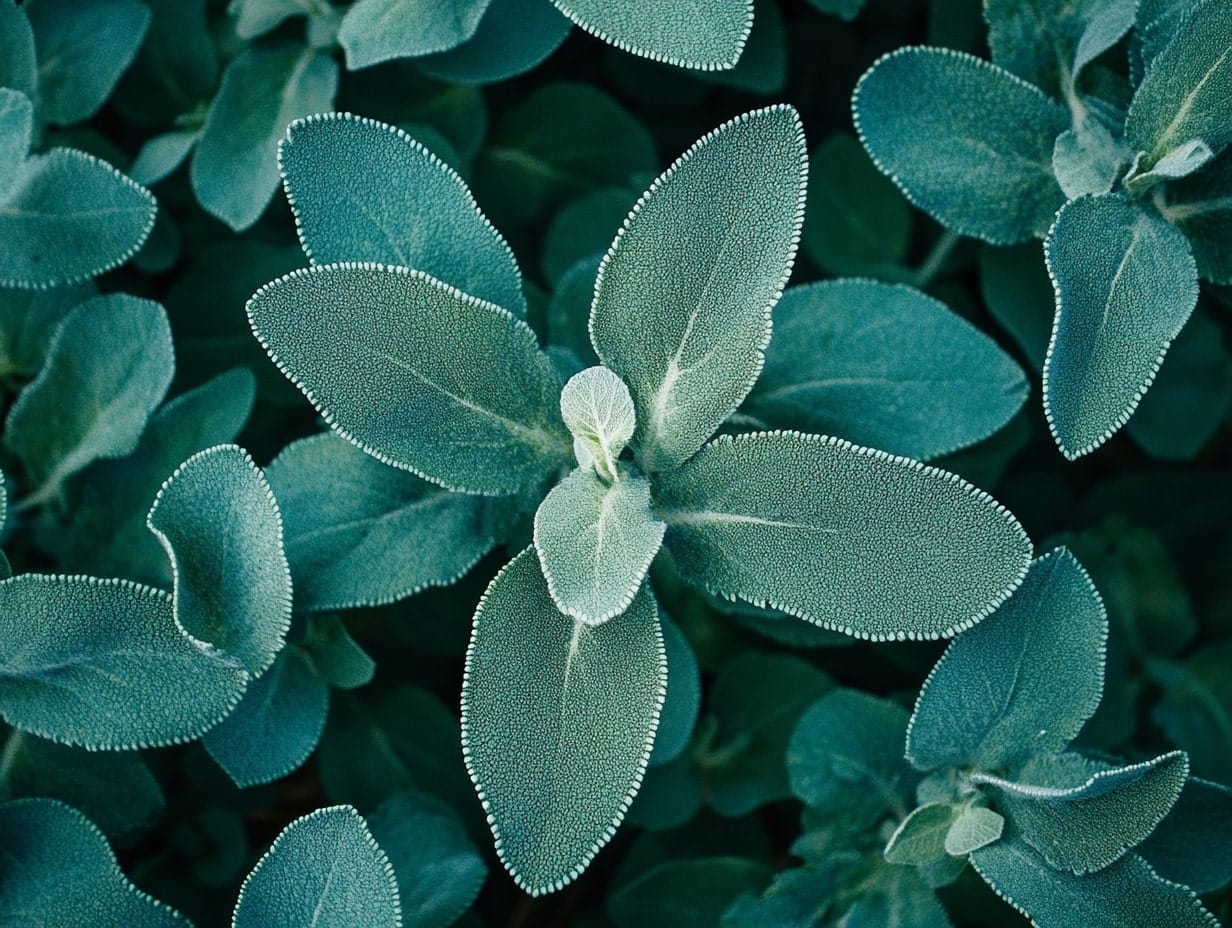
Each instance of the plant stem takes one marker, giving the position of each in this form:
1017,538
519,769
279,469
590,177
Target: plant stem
935,259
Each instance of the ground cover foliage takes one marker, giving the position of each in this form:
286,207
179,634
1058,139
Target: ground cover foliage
557,462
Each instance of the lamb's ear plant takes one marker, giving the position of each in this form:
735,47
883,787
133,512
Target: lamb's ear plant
1132,203
566,673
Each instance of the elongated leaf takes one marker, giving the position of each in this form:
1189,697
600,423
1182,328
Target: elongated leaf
1180,162
365,191
161,155
58,871
885,366
703,34
101,664
920,838
335,656
558,721
684,695
1201,206
255,18
115,349
1022,682
435,382
373,31
967,142
1193,845
235,170
325,870
817,527
513,37
1125,283
975,828
683,298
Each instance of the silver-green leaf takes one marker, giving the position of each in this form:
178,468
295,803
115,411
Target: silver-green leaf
373,31
599,412
975,827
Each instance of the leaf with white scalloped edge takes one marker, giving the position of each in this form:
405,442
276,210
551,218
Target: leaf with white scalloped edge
683,298
1023,681
705,35
513,37
326,870
558,722
373,31
219,523
975,827
966,141
102,664
365,191
598,410
817,527
1193,844
58,871
1200,205
1125,283
1088,158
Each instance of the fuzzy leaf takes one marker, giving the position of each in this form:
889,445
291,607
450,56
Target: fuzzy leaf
161,155
58,871
1200,205
235,170
975,827
558,721
17,58
513,37
885,366
365,191
1088,159
324,870
1182,161
29,319
16,133
117,351
254,18
967,142
598,410
336,657
1023,681
683,298
1125,283
703,34
816,527
373,31
101,664
920,838
1193,844
435,382
361,533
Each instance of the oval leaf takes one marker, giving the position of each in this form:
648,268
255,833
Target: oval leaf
975,828
513,37
373,31
598,409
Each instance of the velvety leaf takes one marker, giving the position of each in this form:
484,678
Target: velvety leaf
886,366
920,837
975,827
1180,162
684,695
325,869
335,656
365,191
361,533
1023,681
373,31
220,525
16,133
513,37
762,68
58,871
1126,283
29,319
685,893
568,311
1201,206
235,170
816,527
117,351
1193,844
17,59
599,413
1088,159
254,18
436,382
558,721
161,155
683,298
101,664
702,34
967,142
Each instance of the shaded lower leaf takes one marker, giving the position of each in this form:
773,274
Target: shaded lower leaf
1193,844
921,837
686,893
513,37
334,655
684,695
1201,206
373,31
29,319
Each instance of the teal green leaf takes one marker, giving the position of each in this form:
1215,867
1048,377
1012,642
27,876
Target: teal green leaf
685,893
817,527
1193,844
17,59
1088,159
365,191
220,525
1015,287
966,141
975,827
58,871
1128,894
706,35
102,664
1023,681
683,297
1180,162
16,133
373,31
898,898
434,381
117,351
844,9
885,366
1195,711
920,838
583,230
1183,96
762,68
1085,828
558,721
277,724
1201,206
29,319
234,171
161,155
598,411
82,51
1126,283
684,695
595,541
335,656
254,18
439,870
176,68
324,870
568,311
513,37
361,533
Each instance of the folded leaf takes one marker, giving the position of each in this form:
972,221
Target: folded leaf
1088,159
975,827
1193,844
1200,205
1022,682
434,381
373,31
703,34
1125,285
513,37
817,527
324,870
58,871
683,298
1180,162
966,141
558,721
365,191
886,366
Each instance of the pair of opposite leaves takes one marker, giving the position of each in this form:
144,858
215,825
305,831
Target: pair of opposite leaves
425,370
